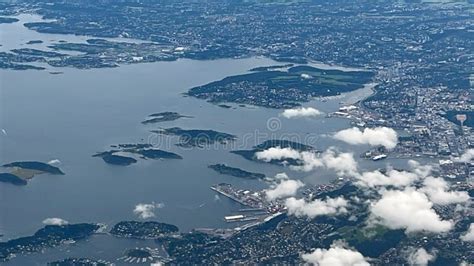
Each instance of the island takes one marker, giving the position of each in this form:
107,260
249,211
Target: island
118,156
21,172
28,52
274,143
122,52
47,237
142,230
164,117
38,166
12,179
236,172
16,62
225,106
196,137
281,89
34,42
158,154
116,159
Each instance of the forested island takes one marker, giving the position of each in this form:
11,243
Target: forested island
163,117
20,172
251,154
39,166
196,137
236,172
12,179
118,155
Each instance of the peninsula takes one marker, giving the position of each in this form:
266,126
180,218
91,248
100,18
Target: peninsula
142,230
273,88
47,237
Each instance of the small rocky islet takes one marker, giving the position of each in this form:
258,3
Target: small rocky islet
34,42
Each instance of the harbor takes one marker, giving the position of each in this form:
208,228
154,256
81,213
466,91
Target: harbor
257,208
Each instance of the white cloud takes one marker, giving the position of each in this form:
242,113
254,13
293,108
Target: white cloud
469,235
466,157
395,178
419,169
437,191
277,153
285,188
306,76
145,211
408,209
281,176
55,221
301,112
420,257
54,162
342,163
310,161
335,256
317,207
373,136
392,177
